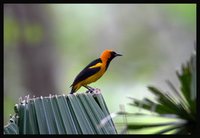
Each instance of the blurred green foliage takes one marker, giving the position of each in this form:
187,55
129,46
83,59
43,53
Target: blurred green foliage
11,31
33,33
186,13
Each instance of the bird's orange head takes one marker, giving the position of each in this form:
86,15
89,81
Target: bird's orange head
109,55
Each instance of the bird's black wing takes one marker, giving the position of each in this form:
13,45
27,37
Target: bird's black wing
87,71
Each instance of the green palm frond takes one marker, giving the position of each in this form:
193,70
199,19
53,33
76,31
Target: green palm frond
60,114
181,105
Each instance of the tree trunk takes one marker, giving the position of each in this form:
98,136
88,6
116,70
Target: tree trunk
37,57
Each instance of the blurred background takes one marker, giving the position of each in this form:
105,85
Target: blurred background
47,45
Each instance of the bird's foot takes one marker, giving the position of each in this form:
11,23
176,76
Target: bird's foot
90,90
87,91
96,92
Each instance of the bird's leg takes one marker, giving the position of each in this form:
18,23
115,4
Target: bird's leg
89,88
93,91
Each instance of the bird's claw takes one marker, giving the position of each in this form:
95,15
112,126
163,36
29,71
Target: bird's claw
96,92
88,91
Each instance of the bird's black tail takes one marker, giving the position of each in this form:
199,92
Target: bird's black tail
72,90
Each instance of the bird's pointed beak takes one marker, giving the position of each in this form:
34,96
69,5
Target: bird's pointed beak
118,54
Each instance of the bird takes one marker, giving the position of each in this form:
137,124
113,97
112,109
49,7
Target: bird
93,71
